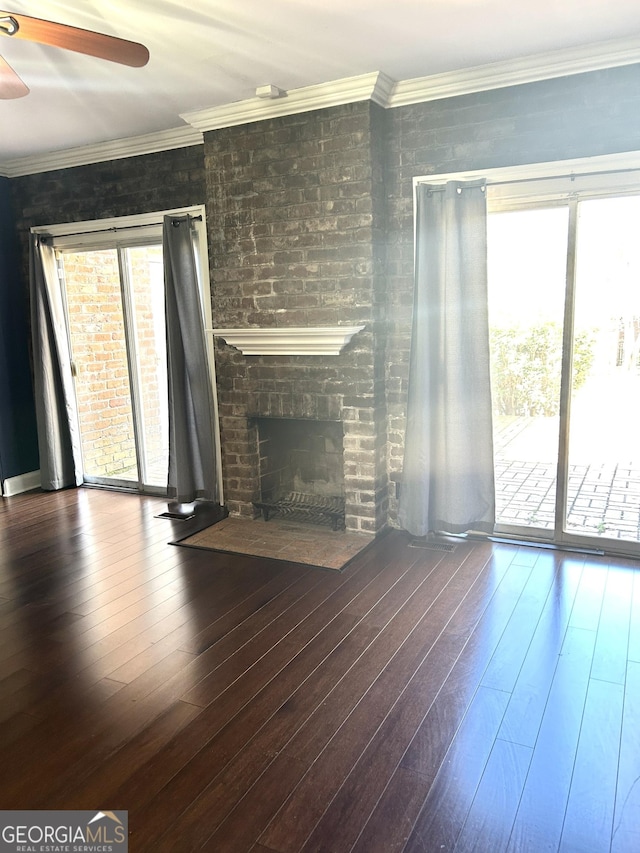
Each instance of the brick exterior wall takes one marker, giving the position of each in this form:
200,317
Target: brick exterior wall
97,333
102,385
311,222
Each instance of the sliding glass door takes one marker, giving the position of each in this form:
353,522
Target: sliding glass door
564,283
527,273
603,446
115,311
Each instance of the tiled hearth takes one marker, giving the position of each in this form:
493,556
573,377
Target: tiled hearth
282,539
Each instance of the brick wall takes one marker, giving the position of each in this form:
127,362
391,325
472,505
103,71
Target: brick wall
311,222
133,185
579,116
294,210
126,187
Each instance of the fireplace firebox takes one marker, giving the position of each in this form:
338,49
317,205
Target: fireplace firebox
301,470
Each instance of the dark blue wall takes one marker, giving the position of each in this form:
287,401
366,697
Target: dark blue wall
18,435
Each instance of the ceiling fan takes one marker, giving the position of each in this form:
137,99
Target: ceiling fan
70,38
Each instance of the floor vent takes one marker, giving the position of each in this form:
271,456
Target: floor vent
432,545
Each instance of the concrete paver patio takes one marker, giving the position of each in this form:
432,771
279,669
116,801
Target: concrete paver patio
603,496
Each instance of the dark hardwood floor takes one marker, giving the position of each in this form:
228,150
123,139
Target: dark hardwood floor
486,699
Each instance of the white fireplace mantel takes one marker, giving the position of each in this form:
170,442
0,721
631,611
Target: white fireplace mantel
291,340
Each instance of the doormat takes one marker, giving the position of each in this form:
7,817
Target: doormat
281,539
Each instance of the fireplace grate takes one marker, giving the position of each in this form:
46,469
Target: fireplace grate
314,508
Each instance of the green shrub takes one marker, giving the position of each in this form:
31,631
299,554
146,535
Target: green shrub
526,366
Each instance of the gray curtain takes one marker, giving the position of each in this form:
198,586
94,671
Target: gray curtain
448,480
192,456
58,437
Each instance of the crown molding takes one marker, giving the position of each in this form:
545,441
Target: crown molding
382,90
514,72
376,87
118,149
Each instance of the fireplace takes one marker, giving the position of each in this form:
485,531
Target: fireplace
301,469
302,418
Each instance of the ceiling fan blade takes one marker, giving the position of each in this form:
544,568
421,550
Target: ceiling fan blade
11,86
72,38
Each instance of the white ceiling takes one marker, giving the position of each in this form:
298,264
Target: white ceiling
209,53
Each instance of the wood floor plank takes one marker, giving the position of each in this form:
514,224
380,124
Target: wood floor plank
454,788
248,606
279,592
526,708
587,605
13,683
612,642
448,619
100,783
119,717
404,741
485,633
379,726
428,684
390,825
345,652
588,820
241,704
490,819
540,815
626,822
340,637
295,627
16,727
130,588
506,663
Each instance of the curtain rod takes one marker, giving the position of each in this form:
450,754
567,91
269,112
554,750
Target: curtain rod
572,175
114,228
440,188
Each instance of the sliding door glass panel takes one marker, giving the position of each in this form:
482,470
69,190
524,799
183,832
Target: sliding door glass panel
144,274
527,262
604,449
98,346
115,306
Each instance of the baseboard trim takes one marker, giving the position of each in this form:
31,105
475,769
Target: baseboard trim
22,483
